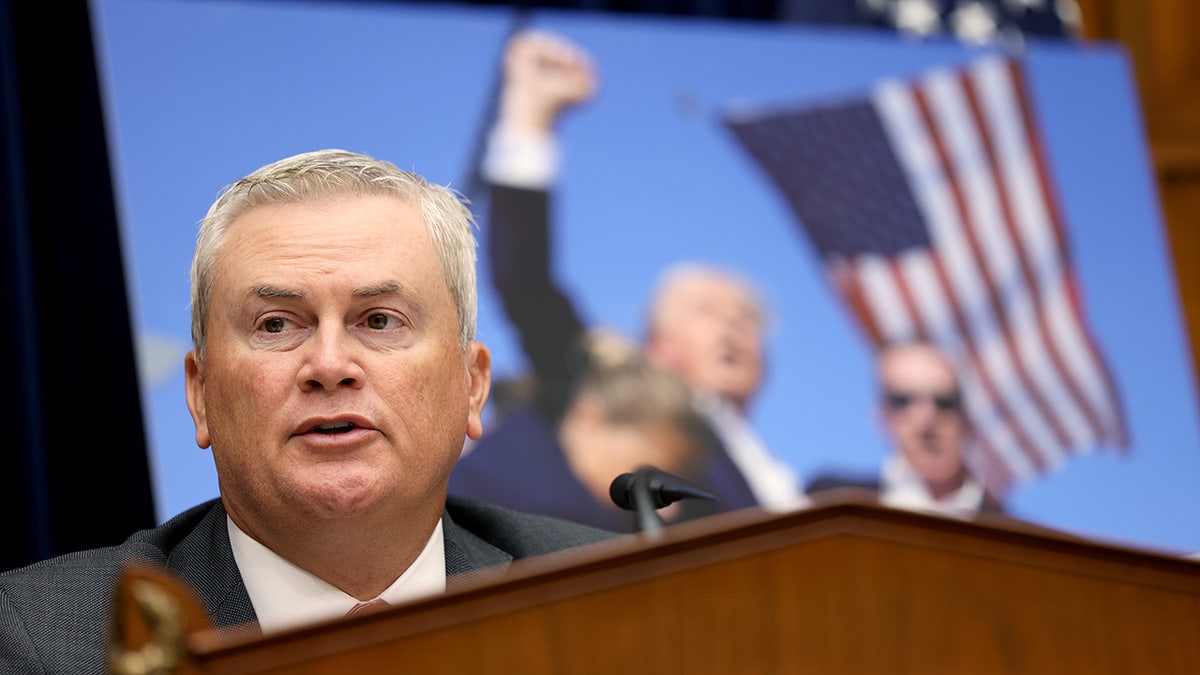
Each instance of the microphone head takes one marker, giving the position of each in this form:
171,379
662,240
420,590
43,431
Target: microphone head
662,489
621,493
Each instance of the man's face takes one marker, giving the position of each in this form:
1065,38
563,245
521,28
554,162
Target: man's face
922,409
598,449
334,383
708,330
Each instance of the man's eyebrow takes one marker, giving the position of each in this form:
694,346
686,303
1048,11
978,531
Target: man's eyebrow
269,291
386,288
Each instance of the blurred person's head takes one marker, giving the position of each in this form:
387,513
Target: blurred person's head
628,413
922,409
707,326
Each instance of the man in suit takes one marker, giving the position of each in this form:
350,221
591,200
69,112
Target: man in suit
706,324
335,377
921,408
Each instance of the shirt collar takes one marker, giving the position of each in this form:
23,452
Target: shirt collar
285,595
902,487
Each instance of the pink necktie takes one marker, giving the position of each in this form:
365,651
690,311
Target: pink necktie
376,605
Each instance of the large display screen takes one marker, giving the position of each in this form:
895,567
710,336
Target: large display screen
199,94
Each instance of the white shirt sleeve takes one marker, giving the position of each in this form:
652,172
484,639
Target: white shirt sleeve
519,160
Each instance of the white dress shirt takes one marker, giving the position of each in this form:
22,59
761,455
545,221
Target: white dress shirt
285,596
530,160
901,487
774,483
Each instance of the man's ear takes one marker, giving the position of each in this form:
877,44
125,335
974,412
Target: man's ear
479,370
656,351
193,368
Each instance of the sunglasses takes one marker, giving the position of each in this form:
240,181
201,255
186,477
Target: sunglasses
897,401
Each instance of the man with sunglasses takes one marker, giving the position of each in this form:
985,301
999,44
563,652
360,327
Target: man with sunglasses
921,409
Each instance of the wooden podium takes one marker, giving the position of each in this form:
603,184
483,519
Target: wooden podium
845,586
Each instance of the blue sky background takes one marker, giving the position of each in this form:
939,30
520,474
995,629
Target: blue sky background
200,93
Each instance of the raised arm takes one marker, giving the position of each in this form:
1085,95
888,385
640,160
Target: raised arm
543,76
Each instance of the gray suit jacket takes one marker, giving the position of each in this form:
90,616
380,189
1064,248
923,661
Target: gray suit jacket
54,615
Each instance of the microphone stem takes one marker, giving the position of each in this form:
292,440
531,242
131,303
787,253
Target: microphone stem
649,523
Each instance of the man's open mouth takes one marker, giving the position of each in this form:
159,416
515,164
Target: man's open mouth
333,428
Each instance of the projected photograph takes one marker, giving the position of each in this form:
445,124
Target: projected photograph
770,260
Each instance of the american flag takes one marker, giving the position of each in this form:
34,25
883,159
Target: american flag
931,204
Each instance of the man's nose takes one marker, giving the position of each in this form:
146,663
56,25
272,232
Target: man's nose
923,411
739,321
331,361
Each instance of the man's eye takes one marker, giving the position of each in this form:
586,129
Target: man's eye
379,321
274,325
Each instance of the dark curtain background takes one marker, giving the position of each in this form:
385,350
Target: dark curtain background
74,471
74,460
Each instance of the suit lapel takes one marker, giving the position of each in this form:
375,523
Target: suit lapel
469,558
204,559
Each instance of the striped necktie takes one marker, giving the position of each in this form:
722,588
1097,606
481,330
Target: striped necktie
376,605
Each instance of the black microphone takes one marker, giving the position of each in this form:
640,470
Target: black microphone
664,489
649,489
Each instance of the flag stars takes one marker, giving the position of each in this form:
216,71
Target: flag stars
916,17
878,7
1070,14
974,22
1026,5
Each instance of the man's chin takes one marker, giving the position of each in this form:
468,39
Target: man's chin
347,497
940,475
737,386
343,509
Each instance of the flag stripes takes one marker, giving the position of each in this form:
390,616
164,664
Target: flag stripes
988,278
